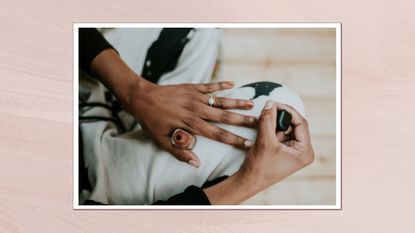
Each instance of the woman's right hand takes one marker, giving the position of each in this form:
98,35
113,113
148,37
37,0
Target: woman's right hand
271,159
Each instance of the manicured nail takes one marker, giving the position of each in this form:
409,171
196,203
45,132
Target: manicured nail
194,163
230,83
249,104
248,143
269,105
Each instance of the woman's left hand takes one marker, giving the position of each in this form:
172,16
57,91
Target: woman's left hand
162,109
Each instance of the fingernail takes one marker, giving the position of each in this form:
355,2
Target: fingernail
194,163
248,143
249,104
230,83
269,105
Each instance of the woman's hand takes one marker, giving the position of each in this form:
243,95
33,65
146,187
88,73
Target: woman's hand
269,160
272,158
162,109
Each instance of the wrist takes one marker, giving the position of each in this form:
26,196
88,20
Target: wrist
234,190
251,181
257,178
133,89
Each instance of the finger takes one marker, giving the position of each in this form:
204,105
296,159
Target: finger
226,117
267,123
280,136
212,87
298,122
227,103
221,135
296,117
180,154
289,130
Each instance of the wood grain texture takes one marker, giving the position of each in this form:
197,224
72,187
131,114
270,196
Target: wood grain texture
36,122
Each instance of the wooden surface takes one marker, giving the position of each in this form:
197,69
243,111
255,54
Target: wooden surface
305,61
36,122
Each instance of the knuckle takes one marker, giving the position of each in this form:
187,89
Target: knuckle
219,101
308,158
266,114
191,122
305,123
189,104
249,121
191,89
209,87
260,145
264,118
239,142
194,87
190,94
225,117
221,135
289,106
181,155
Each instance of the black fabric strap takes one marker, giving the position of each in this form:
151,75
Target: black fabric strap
191,196
164,53
91,43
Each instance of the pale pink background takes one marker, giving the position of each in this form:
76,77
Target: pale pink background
36,122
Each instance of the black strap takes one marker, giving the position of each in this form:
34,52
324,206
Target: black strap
164,53
91,43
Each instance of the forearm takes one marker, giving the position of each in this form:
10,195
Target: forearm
91,43
234,190
111,70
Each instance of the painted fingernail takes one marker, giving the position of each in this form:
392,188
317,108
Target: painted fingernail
230,83
269,105
194,163
249,104
248,143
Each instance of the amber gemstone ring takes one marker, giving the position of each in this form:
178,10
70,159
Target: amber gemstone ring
183,139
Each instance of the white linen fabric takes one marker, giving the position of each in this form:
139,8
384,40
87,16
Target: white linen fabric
195,64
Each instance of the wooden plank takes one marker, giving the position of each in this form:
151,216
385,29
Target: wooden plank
281,46
321,116
297,192
321,32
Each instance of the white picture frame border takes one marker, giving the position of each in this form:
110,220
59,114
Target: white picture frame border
336,26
